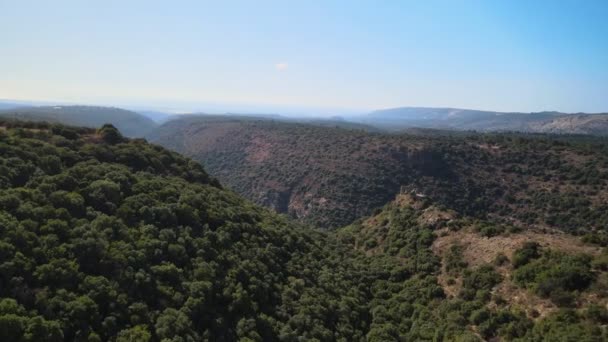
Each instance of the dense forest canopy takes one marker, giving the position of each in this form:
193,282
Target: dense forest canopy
105,238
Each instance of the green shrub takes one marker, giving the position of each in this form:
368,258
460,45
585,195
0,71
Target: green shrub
529,251
454,262
556,276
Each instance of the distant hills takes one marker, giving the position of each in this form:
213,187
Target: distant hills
465,119
129,123
138,123
10,105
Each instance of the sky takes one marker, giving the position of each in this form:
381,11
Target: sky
321,57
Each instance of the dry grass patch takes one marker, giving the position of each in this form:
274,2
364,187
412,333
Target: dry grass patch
478,250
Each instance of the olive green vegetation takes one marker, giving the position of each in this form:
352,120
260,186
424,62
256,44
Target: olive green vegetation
329,177
553,275
107,238
419,309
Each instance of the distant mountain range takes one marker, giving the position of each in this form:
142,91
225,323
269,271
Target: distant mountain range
465,119
139,123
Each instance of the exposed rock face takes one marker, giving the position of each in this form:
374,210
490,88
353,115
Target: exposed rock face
577,124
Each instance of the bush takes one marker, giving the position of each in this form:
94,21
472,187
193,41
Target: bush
110,134
529,251
556,276
454,262
597,313
479,282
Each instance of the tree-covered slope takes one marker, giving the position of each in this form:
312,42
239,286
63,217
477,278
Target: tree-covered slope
329,176
466,279
129,123
103,238
321,175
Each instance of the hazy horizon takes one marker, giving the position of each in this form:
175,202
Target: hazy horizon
222,109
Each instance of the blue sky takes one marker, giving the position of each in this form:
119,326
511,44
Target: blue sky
308,56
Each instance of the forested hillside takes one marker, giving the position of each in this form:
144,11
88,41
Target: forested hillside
330,176
129,123
320,175
106,238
